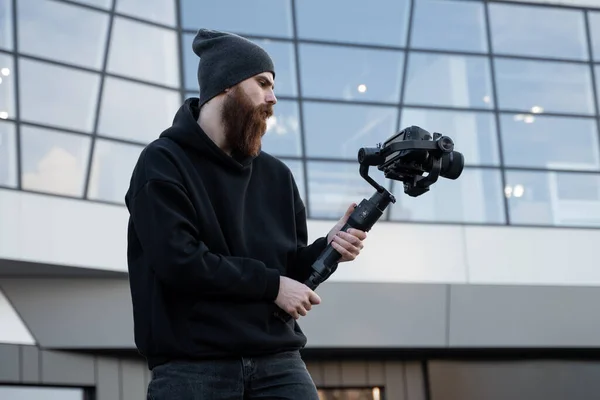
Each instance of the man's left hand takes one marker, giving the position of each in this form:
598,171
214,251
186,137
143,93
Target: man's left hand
350,243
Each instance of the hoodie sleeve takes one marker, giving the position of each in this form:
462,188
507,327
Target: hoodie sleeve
306,255
163,218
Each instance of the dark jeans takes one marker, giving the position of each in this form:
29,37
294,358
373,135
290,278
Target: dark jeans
282,376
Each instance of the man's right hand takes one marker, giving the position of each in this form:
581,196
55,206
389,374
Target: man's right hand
295,297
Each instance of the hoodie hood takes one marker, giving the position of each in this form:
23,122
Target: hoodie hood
188,134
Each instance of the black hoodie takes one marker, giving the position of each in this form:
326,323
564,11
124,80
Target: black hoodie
208,238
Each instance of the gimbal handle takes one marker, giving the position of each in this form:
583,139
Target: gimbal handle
364,216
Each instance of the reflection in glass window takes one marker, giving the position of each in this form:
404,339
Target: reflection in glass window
449,25
382,22
8,154
160,11
340,130
256,17
538,31
112,166
6,26
136,112
156,61
553,198
53,162
298,173
333,186
543,86
550,142
474,133
59,96
448,80
35,393
475,197
283,130
360,74
70,33
7,87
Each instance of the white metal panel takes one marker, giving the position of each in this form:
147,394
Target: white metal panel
12,328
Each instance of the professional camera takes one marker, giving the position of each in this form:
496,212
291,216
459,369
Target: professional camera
406,157
410,153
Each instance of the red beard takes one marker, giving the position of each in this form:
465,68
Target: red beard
245,124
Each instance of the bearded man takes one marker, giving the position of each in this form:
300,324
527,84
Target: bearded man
217,241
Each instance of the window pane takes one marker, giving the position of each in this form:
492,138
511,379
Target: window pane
54,162
6,26
157,62
360,74
382,22
538,31
333,186
8,154
112,166
449,25
550,142
161,11
35,393
136,112
74,108
547,86
257,17
554,198
283,130
190,63
474,133
7,87
70,33
340,130
448,80
594,20
284,59
475,197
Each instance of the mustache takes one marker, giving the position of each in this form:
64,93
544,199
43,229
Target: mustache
265,110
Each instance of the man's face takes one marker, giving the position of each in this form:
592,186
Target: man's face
246,109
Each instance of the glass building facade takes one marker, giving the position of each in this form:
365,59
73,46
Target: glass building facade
86,84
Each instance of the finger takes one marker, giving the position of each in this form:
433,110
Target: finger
306,304
361,235
351,208
314,298
346,255
351,248
293,313
302,311
349,211
356,241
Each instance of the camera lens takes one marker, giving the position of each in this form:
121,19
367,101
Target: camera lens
452,165
445,144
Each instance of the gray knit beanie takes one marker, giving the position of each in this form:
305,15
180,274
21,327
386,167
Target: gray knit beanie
225,60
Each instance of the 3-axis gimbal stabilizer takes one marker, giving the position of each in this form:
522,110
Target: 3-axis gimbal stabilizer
404,157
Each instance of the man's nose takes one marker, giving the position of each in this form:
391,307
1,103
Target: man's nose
271,98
